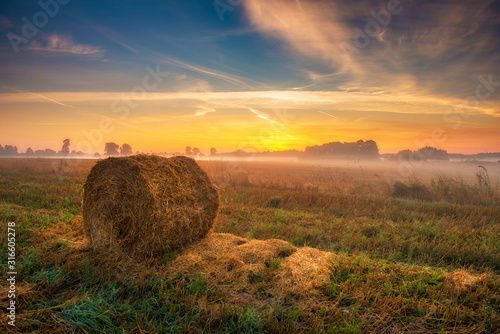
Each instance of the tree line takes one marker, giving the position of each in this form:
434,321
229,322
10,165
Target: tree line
422,154
195,152
110,149
358,150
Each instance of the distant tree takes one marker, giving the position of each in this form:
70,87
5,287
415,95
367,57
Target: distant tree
97,155
111,149
29,152
370,148
423,154
188,150
49,152
40,153
359,149
126,149
196,151
2,150
405,154
10,150
432,153
65,147
213,151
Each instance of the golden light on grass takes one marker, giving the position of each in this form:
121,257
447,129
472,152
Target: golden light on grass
380,263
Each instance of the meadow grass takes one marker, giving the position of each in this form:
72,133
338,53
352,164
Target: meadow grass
403,263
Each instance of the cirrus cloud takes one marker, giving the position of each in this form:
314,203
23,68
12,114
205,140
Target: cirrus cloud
64,44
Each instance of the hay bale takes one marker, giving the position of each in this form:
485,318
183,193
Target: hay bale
144,205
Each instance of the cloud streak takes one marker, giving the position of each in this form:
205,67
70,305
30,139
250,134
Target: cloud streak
311,28
257,100
61,44
159,58
428,48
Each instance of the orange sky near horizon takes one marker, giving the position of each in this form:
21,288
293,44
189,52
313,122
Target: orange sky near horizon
252,121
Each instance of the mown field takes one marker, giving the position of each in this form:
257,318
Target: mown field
417,254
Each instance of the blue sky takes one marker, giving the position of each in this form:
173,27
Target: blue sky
409,72
133,34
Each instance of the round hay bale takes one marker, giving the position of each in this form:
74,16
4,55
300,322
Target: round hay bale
144,205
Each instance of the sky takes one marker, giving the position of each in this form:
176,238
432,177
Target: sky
250,74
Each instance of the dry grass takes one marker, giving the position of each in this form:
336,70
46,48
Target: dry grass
374,263
146,205
239,265
289,289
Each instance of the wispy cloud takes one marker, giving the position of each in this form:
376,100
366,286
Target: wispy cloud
312,28
54,98
230,78
64,44
161,58
42,97
428,49
326,101
327,114
260,114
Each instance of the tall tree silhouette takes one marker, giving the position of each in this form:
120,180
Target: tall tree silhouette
111,149
213,151
188,150
65,147
29,152
196,151
126,149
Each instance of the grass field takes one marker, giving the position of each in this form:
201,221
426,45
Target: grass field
417,254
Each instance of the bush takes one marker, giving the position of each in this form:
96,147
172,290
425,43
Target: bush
275,202
416,190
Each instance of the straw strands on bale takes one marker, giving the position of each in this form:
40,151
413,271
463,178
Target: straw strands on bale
144,205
